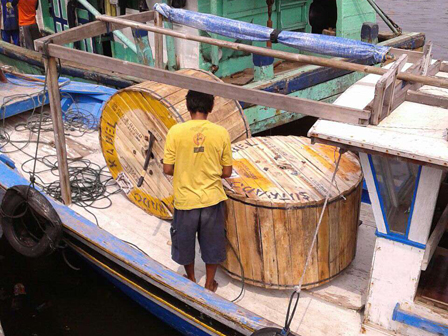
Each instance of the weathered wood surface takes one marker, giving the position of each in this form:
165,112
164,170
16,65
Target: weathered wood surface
158,42
91,29
414,131
427,99
276,195
131,113
274,100
58,126
331,309
381,105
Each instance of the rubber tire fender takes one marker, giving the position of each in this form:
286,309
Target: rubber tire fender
15,197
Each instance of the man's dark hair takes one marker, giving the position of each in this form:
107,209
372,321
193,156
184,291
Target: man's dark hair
199,102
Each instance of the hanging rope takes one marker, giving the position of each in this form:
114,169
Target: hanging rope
33,174
296,294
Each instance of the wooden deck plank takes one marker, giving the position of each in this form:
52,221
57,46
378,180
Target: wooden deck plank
332,309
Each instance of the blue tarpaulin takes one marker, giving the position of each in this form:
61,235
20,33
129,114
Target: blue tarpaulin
315,43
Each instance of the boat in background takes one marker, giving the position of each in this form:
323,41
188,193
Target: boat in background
132,249
343,18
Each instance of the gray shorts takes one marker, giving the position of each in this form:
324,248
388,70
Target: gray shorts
208,223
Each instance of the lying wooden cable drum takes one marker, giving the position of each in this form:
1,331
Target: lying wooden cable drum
276,194
132,112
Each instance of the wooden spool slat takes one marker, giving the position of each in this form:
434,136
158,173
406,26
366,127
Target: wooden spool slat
125,121
276,195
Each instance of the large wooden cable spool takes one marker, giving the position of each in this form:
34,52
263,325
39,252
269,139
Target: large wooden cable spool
276,195
132,112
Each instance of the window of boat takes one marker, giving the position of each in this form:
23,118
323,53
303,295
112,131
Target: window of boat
396,182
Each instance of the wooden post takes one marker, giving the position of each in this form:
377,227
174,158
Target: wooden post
427,57
158,41
58,128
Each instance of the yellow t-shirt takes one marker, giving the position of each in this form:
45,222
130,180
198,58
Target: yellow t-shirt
198,149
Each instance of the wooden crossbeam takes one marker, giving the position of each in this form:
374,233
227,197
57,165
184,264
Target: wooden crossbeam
402,87
427,99
381,105
321,61
95,28
258,97
444,67
413,56
134,22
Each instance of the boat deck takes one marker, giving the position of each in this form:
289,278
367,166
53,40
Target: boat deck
335,308
18,95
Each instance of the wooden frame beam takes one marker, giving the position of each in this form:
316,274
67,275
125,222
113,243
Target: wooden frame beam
427,58
427,99
258,97
413,56
158,42
95,28
334,63
134,21
444,67
402,88
362,149
58,127
381,106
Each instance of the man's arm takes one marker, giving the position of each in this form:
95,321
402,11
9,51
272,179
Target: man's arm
169,155
226,159
226,171
168,169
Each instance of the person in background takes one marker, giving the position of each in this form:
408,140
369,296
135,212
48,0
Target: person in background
198,155
9,21
27,22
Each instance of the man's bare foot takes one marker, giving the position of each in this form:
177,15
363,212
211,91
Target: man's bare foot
192,279
213,287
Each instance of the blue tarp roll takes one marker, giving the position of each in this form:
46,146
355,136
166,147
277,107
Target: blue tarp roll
315,43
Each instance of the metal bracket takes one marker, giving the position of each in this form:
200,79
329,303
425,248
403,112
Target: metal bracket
149,154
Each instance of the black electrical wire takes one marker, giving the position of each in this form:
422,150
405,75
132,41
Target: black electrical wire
89,182
243,278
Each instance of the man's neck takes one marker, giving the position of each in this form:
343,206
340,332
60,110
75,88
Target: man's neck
198,116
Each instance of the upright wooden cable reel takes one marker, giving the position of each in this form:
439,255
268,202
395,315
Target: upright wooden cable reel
130,117
276,194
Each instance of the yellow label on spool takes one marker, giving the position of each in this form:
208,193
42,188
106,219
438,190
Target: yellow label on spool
115,114
248,178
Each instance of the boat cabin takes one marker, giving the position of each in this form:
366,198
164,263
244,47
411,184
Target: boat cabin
404,158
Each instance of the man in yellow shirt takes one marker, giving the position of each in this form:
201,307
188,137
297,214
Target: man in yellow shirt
198,155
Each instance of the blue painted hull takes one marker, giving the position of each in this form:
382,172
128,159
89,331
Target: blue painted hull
163,313
181,303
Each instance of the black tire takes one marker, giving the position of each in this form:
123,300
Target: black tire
25,203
